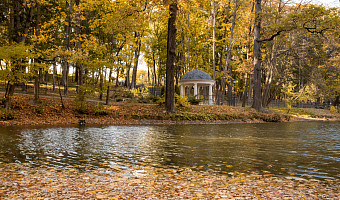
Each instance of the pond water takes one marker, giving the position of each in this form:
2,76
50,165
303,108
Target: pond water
304,149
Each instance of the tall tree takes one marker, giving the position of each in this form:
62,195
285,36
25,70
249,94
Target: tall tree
257,101
171,53
227,65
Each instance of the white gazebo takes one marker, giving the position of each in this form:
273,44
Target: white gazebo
199,81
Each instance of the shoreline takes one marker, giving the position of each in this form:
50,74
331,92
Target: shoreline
49,112
147,122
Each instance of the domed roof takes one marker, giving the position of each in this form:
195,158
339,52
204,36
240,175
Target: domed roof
196,75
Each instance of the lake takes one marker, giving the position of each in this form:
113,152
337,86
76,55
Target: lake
302,149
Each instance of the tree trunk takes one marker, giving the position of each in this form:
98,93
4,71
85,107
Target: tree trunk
183,52
196,56
214,31
189,42
38,71
66,65
117,77
8,95
171,53
78,65
257,96
127,77
245,92
54,76
217,84
135,66
154,69
250,89
36,86
108,89
66,69
267,91
227,65
101,84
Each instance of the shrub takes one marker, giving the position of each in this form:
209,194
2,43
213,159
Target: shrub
332,109
193,100
6,115
2,100
161,101
81,104
270,117
154,99
99,110
39,109
119,99
81,107
182,102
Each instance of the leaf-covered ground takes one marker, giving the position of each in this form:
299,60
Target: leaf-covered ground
22,182
49,111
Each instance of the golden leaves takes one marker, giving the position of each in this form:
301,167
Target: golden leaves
156,183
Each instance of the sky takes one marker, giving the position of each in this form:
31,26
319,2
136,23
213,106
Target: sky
327,3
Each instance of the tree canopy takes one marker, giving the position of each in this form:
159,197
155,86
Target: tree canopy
273,48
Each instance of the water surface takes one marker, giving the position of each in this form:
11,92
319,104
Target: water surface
305,149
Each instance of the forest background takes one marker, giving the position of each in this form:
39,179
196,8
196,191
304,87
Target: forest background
255,50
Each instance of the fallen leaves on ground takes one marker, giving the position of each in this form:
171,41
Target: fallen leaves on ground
23,182
50,112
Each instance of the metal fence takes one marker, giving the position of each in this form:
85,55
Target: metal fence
237,101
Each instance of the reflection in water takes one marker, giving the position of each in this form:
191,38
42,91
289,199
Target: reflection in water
308,149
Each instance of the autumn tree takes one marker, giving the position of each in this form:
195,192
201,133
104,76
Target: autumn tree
171,53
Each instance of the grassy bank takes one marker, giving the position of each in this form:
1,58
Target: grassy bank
50,111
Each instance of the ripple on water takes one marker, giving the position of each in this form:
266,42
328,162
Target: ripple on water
307,149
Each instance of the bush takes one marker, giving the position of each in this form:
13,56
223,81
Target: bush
161,101
182,102
99,110
333,110
2,100
154,99
81,104
82,107
39,109
270,117
6,115
193,100
119,99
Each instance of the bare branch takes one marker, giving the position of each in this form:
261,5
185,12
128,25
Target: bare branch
271,38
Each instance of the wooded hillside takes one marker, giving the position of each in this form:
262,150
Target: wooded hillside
255,50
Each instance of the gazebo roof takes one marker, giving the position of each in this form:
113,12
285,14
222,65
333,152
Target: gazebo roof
196,75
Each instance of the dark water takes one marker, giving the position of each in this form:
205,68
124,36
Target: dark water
305,149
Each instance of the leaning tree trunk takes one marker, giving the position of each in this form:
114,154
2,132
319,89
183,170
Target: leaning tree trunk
135,66
267,95
171,53
257,96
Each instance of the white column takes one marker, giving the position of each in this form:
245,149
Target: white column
182,91
210,95
195,90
